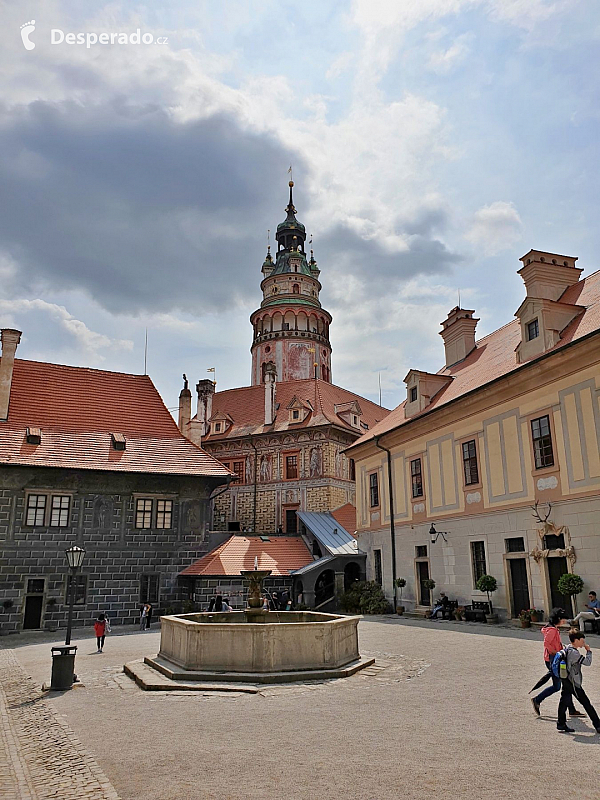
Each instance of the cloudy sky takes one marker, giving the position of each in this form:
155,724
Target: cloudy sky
433,142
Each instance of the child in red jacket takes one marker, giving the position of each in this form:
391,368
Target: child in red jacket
100,628
552,645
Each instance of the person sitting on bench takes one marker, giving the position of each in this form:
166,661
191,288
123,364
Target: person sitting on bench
592,614
440,605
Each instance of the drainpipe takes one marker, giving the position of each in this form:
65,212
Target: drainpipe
392,529
255,484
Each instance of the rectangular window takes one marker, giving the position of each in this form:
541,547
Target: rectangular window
238,468
291,467
413,394
164,514
470,463
533,330
542,442
416,477
217,427
295,414
352,470
478,560
516,544
149,588
421,550
35,586
553,541
59,511
80,589
373,490
36,509
378,567
143,513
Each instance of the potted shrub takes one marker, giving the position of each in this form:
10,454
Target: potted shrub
570,585
400,584
536,614
488,584
525,617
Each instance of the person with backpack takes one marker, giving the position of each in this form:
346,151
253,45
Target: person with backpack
552,645
568,664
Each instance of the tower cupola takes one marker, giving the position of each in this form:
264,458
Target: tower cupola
291,329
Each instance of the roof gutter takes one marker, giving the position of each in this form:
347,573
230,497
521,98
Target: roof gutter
392,528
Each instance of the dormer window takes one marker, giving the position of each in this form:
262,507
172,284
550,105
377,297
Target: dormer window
354,420
34,436
533,330
118,441
217,427
295,414
414,393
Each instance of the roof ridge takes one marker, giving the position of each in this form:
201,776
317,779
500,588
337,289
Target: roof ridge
87,369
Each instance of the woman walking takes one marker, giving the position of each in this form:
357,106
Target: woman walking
100,629
552,645
143,617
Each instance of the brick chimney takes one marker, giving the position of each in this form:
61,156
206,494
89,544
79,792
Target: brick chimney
10,339
458,333
185,408
205,389
270,373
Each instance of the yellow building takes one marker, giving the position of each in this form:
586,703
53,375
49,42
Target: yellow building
511,420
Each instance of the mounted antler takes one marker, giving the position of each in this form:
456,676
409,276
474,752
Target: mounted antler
536,513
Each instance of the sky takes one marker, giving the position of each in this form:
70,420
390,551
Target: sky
433,143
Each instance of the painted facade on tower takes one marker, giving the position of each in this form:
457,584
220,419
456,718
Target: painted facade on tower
284,435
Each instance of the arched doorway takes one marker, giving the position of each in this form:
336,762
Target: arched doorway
351,574
324,587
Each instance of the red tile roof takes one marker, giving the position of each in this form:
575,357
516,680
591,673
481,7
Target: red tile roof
282,555
77,410
246,406
346,516
494,355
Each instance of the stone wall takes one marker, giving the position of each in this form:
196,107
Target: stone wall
101,520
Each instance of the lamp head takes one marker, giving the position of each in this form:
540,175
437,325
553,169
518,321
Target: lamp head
75,556
433,533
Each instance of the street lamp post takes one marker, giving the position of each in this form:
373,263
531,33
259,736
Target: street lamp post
75,556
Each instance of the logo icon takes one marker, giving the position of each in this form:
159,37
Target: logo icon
27,29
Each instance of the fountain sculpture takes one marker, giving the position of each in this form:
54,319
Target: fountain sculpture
257,645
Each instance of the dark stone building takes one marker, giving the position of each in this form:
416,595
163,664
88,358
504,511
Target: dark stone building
93,458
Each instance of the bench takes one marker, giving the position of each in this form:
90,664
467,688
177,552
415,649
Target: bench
594,625
477,611
448,611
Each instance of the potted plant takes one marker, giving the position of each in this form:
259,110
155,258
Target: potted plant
459,613
488,584
525,617
400,584
536,614
570,585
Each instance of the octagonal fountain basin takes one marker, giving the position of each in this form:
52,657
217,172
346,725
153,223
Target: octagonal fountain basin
259,646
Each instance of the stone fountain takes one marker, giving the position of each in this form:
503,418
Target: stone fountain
257,645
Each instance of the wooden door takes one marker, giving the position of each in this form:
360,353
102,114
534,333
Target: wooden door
518,585
423,574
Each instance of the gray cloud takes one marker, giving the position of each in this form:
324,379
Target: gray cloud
141,211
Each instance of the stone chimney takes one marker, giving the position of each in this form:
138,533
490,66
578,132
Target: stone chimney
458,333
10,339
185,408
205,389
270,373
547,275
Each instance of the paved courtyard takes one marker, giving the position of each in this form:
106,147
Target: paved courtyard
443,713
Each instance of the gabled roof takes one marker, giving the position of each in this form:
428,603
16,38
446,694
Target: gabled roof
346,516
246,407
281,554
329,533
494,355
79,409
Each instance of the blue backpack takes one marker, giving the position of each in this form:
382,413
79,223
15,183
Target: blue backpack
559,657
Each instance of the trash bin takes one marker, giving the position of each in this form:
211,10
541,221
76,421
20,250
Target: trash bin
63,666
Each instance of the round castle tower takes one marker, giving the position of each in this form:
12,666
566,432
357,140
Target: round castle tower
291,330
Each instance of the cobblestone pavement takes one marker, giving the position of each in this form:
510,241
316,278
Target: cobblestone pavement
40,756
